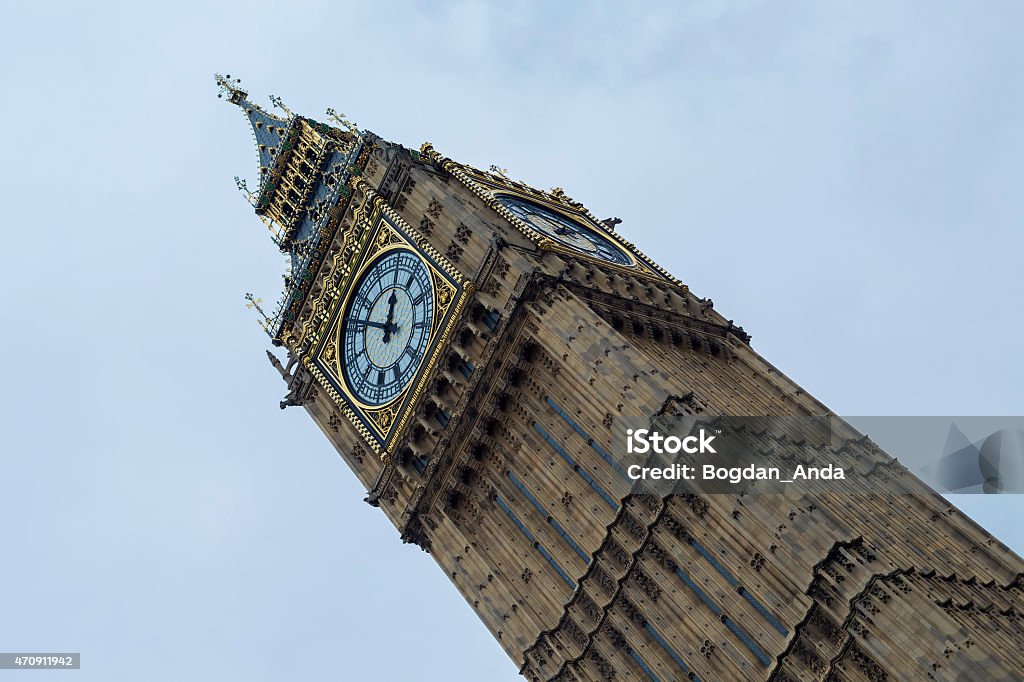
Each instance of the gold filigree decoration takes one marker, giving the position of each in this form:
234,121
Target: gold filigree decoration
335,268
383,418
380,228
384,237
444,292
484,185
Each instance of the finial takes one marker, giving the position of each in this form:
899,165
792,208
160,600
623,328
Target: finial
559,193
229,87
244,189
429,154
301,248
277,102
503,172
278,366
254,303
344,122
275,230
276,233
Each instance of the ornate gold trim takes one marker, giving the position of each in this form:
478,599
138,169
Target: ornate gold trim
381,229
484,185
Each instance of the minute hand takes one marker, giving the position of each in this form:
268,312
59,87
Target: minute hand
386,326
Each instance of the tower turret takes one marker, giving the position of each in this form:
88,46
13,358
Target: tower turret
304,168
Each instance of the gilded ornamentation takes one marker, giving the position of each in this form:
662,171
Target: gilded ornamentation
376,229
384,237
484,186
384,418
444,291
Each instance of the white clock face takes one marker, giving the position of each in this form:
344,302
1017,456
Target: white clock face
386,328
565,231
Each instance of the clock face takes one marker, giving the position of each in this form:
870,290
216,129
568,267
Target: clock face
565,231
386,328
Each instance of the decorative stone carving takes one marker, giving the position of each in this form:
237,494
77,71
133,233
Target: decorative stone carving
435,208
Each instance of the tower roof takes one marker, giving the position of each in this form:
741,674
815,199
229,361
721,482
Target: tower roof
305,166
268,130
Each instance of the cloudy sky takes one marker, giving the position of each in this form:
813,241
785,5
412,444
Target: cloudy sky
843,179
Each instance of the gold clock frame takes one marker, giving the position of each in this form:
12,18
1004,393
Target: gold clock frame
384,230
488,186
549,243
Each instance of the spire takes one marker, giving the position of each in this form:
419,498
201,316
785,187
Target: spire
268,130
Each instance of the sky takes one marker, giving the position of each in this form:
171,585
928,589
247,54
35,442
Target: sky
842,178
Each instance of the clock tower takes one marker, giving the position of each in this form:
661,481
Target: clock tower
474,349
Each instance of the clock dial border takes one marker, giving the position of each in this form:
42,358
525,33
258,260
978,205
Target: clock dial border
584,224
381,230
488,185
338,329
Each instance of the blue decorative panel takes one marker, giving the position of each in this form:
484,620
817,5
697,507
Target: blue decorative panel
547,517
536,545
585,436
579,470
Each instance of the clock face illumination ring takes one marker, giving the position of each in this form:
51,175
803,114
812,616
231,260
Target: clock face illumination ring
567,232
386,327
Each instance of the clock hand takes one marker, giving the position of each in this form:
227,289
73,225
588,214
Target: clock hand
392,300
386,326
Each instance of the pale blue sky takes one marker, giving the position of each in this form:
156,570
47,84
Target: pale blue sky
842,178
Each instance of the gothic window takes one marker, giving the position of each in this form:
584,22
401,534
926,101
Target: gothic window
758,652
586,437
667,647
550,519
487,316
419,463
457,364
772,620
643,666
576,467
490,319
536,545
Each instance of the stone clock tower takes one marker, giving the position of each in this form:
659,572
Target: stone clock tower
473,347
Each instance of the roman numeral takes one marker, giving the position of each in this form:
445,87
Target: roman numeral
380,378
412,278
418,299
